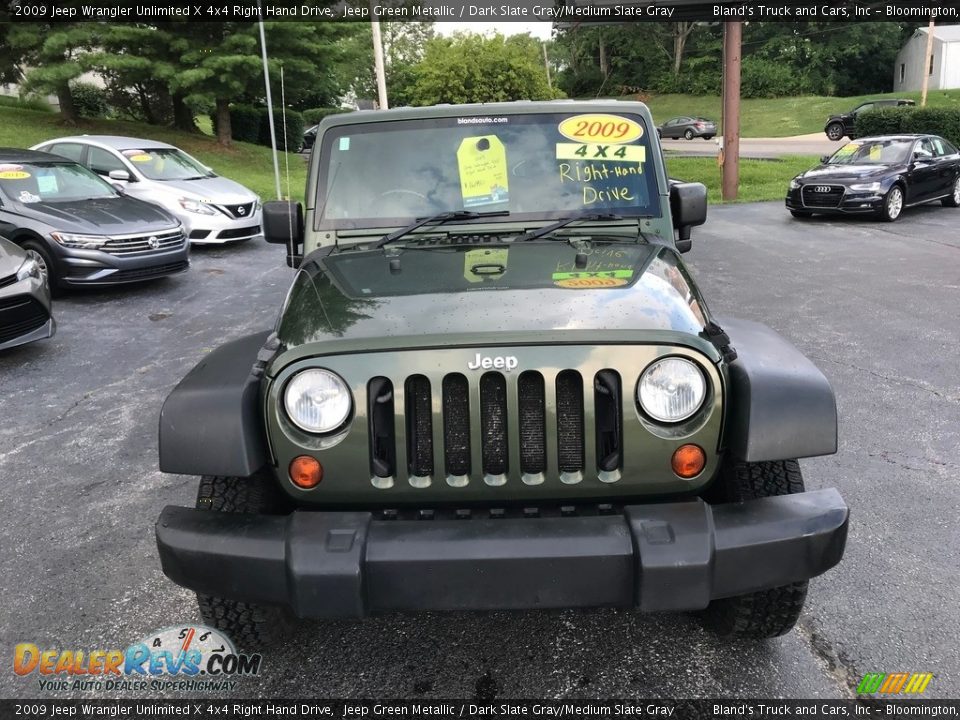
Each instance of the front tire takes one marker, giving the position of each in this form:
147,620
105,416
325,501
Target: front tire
835,131
249,626
37,250
892,204
688,134
954,199
766,613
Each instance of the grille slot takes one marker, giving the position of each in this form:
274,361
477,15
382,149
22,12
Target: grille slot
570,422
140,244
419,428
493,425
608,412
383,442
456,425
533,429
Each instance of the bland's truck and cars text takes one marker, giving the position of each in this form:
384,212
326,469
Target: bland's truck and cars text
494,384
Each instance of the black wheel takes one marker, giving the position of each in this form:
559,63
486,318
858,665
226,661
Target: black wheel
37,250
708,137
835,131
766,613
892,204
802,214
953,200
688,134
249,626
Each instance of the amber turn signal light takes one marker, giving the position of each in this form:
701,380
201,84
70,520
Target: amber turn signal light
688,461
306,472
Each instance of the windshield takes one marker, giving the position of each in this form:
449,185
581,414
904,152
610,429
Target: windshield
51,182
872,152
537,166
166,164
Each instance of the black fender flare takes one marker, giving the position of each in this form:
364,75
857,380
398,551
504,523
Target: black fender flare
780,406
210,424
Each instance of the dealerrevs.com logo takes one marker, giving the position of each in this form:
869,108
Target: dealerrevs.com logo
894,683
183,657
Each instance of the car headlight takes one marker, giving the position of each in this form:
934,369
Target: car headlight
671,389
85,242
866,187
317,401
29,269
794,184
196,206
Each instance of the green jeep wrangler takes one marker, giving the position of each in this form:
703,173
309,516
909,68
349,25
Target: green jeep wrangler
494,384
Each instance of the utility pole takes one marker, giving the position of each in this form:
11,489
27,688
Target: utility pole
730,168
927,62
546,65
378,61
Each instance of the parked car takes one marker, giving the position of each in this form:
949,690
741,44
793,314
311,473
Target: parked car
688,128
838,126
880,175
212,209
495,384
82,230
25,312
309,137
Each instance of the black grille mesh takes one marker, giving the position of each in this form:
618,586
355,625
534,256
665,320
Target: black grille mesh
380,410
533,431
609,419
456,425
493,423
419,426
570,421
20,315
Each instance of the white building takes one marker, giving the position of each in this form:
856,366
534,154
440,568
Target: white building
943,68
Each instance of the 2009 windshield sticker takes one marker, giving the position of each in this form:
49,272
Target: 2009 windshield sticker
482,161
13,172
592,280
599,127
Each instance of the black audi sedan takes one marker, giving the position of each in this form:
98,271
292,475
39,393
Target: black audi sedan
25,313
81,229
879,175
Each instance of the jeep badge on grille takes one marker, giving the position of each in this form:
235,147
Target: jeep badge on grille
499,362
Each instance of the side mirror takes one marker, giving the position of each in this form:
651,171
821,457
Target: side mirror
688,206
283,225
121,175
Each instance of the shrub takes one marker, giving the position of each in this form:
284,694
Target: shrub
315,115
761,78
935,121
89,100
294,134
245,123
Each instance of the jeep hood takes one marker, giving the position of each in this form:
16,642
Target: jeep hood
470,289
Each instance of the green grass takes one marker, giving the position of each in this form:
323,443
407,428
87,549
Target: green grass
30,103
759,179
249,165
782,117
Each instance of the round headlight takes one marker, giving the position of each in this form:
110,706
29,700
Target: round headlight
671,389
317,401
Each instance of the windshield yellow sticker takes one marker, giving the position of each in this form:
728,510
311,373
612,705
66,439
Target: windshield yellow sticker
599,153
599,127
139,156
489,263
848,149
625,274
482,162
590,283
14,174
875,151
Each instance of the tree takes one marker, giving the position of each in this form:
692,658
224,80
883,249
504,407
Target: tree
54,53
470,68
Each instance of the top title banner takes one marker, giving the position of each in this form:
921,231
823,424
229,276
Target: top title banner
558,11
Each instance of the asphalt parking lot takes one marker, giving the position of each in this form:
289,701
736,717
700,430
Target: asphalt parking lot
874,305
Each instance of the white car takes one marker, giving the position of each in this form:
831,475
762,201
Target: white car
213,209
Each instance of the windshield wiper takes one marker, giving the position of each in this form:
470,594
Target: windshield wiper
437,219
546,230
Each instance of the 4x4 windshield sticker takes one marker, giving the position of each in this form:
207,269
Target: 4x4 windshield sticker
482,161
598,127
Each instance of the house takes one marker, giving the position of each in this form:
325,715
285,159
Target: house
943,68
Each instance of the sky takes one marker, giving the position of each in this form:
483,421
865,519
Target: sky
539,30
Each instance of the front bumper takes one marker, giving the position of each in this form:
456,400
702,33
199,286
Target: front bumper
851,203
25,313
79,267
220,229
676,556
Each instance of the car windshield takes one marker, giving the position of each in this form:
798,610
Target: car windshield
51,182
166,164
872,152
533,166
